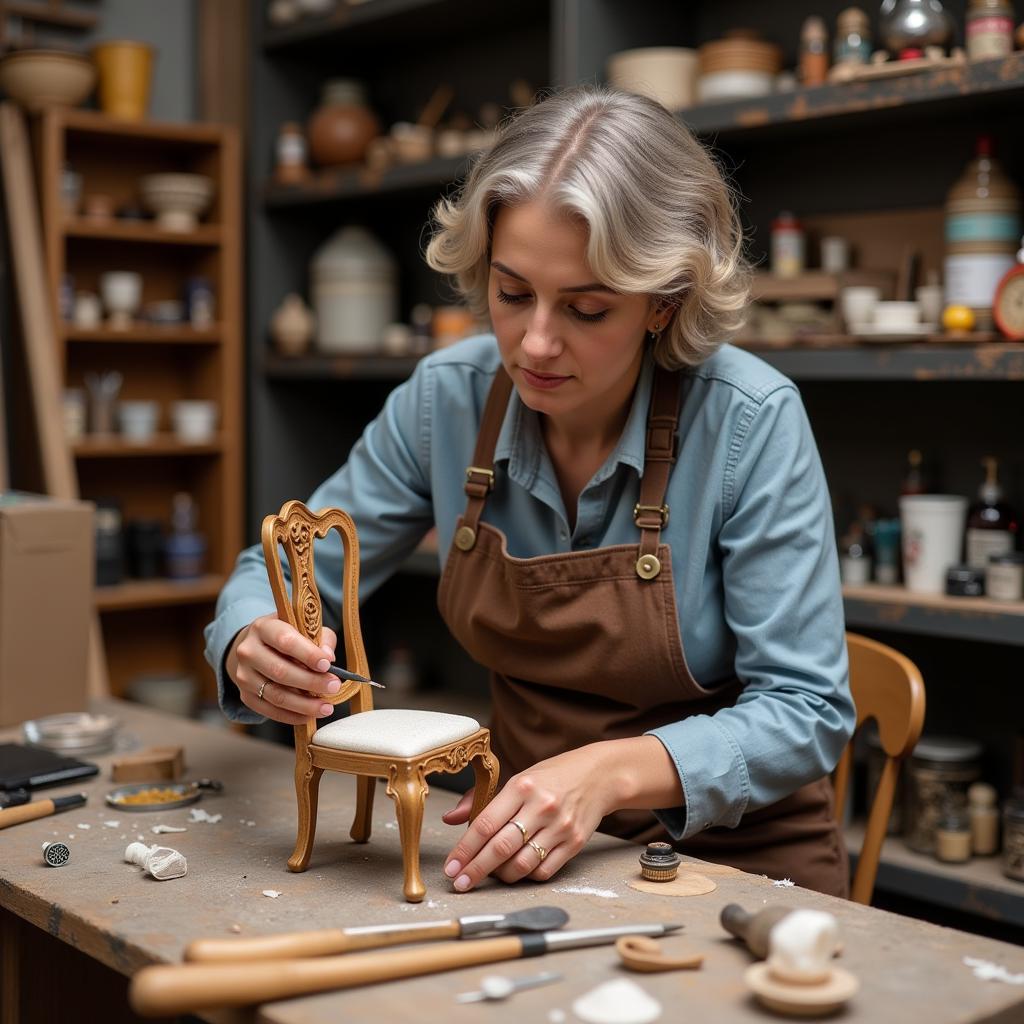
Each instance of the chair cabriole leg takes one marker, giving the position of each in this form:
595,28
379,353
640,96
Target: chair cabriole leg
363,821
408,788
307,791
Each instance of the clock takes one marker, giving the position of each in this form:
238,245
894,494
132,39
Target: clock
1008,305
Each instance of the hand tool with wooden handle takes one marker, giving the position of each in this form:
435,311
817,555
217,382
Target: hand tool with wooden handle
39,809
345,940
165,991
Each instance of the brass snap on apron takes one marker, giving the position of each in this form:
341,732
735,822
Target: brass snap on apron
465,538
648,566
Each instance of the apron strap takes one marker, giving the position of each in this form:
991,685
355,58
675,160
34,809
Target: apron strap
651,513
480,475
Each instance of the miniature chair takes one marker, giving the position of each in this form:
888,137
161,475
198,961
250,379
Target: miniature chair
400,746
887,687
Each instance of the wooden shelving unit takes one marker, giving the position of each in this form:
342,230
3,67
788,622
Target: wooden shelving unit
392,368
153,625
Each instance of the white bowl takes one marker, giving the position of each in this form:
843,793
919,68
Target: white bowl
718,86
195,420
667,74
178,200
897,314
138,419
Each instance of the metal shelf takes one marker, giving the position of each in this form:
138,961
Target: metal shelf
978,887
874,606
997,361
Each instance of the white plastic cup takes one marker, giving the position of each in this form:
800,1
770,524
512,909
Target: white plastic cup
933,534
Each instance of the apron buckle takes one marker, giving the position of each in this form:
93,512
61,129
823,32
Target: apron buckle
642,511
476,487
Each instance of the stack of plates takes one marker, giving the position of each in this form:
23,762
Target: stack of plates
72,734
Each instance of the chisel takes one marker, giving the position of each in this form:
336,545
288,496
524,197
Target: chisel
166,991
39,809
290,945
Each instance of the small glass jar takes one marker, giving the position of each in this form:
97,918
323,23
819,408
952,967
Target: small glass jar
937,777
1013,837
984,815
1004,579
953,837
291,165
853,37
989,29
788,245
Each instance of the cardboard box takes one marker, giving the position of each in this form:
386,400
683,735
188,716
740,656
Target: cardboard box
47,566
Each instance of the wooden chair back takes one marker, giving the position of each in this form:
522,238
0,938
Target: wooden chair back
296,529
887,687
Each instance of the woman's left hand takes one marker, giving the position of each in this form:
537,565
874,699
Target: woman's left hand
559,802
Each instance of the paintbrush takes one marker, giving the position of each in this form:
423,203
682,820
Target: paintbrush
343,673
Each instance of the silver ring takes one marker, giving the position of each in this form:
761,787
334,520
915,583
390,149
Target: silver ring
259,695
522,828
541,852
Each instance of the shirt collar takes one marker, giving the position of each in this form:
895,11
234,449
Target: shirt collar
520,441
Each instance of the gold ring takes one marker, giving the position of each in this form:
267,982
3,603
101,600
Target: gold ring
259,695
522,828
541,852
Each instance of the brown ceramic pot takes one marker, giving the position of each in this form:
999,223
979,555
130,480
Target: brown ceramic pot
342,127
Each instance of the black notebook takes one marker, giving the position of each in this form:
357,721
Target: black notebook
37,768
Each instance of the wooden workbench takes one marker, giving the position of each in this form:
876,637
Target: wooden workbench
72,935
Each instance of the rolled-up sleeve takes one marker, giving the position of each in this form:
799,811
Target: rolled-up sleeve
783,605
384,485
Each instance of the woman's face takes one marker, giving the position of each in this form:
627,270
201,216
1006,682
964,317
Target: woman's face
572,346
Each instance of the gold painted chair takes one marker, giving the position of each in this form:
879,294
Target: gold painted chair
886,686
400,746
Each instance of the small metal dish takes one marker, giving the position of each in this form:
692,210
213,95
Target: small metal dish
189,793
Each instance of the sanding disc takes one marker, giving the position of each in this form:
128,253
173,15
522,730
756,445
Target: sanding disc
686,883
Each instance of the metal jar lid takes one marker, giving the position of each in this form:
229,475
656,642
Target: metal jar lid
947,749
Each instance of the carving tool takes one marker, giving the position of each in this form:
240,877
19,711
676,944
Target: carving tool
343,673
346,940
165,991
40,809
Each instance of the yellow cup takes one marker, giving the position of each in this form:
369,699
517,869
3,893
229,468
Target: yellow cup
125,75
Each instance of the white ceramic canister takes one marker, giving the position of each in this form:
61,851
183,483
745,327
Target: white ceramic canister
667,74
354,292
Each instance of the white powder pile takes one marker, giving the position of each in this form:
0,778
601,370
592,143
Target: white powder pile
587,890
617,1002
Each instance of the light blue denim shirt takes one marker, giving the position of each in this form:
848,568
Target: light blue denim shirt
753,553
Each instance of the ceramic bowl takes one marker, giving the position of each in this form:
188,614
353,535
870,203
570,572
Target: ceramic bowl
194,420
717,86
897,314
178,200
46,78
138,419
665,73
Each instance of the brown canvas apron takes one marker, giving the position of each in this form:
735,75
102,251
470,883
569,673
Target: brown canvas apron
586,646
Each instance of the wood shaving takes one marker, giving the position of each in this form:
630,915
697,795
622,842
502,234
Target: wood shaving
198,814
159,829
236,928
112,824
783,883
272,893
86,827
988,971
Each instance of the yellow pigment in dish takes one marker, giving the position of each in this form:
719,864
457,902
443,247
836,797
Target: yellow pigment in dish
150,796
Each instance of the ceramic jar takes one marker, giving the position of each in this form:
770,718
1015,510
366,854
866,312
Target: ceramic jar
938,775
983,228
667,74
341,128
292,326
126,74
354,292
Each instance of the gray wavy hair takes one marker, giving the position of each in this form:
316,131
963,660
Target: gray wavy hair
661,218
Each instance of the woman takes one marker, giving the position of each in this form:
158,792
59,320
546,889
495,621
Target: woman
635,522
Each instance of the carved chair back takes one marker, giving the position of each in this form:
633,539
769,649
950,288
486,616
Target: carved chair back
295,529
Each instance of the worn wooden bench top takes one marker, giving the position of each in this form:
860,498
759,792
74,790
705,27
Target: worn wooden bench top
909,970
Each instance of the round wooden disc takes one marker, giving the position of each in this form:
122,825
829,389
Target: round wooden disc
686,883
796,1000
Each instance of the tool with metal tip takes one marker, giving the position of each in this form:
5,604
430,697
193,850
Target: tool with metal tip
56,855
40,809
343,673
497,986
166,991
345,940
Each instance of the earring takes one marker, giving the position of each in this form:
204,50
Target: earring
657,327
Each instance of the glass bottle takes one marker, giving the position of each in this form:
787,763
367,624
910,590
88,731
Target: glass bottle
914,481
853,37
991,523
984,815
813,51
855,556
989,29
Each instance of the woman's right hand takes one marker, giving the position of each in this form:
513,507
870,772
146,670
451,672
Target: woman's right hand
271,658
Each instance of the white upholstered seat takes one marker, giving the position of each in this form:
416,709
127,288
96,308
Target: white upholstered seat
394,733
